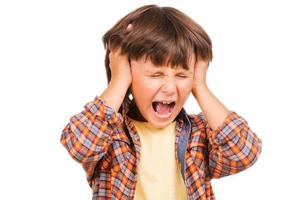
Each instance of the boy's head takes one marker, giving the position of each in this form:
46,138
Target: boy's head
163,46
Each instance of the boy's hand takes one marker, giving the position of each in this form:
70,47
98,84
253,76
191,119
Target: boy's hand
121,78
200,74
120,65
120,81
120,68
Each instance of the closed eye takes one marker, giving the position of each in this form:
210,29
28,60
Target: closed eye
156,75
182,75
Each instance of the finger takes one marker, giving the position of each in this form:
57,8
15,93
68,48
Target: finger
114,53
117,55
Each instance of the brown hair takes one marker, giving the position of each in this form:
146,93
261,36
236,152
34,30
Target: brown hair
164,34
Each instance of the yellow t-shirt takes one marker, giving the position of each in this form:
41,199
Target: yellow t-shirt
159,176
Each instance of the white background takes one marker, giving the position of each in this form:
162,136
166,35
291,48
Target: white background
52,63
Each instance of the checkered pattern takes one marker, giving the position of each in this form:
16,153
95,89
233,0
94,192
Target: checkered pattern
107,145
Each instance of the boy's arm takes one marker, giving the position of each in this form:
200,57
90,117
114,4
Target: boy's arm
233,147
215,112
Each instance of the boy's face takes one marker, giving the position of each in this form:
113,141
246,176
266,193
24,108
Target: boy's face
160,92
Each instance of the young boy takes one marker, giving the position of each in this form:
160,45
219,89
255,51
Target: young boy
135,140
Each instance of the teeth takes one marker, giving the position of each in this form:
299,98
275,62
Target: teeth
165,102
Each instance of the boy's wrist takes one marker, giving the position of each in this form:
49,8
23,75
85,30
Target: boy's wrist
199,87
114,93
120,83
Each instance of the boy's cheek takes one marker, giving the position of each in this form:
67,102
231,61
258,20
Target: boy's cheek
187,85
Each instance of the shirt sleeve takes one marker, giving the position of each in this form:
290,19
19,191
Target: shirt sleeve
88,133
232,147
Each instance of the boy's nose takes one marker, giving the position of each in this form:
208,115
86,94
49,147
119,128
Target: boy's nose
169,87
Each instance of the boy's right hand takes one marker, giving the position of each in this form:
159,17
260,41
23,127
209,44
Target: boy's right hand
120,68
121,78
120,65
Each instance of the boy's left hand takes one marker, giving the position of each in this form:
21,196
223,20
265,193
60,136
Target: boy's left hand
200,74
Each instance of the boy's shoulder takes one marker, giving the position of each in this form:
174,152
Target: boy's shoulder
199,116
198,126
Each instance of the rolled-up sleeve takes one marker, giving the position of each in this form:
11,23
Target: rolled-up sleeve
232,146
88,133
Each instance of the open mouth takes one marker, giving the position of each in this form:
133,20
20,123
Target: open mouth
163,109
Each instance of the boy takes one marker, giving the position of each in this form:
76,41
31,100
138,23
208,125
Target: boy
135,140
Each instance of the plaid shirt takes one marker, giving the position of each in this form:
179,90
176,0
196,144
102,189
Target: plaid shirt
106,143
